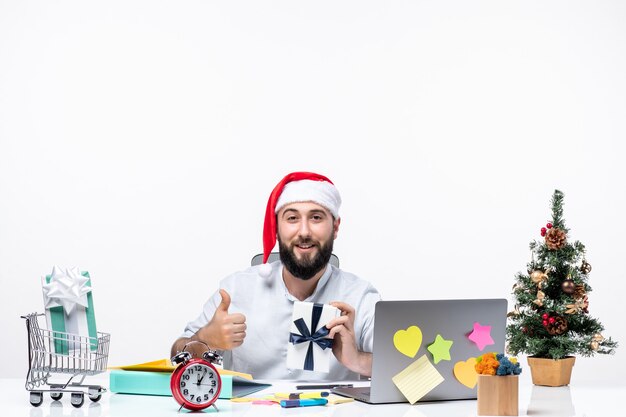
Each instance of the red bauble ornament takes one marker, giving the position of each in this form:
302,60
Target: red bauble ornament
551,320
545,322
543,231
549,225
544,316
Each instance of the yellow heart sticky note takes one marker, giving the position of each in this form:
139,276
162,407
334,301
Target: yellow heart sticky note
465,372
408,341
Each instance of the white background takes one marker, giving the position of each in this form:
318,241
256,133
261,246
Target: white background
139,140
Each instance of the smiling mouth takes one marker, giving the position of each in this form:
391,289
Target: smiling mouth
305,246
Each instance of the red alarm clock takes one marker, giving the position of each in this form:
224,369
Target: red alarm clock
195,383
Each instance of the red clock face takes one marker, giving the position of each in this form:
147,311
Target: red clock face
196,384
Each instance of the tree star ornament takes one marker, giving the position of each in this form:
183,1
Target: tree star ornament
440,349
481,335
66,288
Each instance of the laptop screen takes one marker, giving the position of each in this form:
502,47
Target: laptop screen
436,343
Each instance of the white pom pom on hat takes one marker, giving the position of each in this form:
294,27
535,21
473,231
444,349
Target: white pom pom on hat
265,270
295,188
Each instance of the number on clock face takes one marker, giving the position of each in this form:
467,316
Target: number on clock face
198,384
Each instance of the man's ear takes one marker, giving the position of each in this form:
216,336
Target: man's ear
336,223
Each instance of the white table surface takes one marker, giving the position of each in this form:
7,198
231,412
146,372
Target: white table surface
578,400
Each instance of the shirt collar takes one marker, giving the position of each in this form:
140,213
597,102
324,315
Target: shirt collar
320,284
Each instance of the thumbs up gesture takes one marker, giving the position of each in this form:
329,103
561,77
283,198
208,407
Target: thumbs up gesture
225,331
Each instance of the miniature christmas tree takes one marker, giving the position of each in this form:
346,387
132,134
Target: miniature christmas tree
551,316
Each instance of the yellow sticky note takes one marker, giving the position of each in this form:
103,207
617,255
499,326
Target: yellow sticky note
417,379
247,399
165,365
338,399
465,372
161,365
408,341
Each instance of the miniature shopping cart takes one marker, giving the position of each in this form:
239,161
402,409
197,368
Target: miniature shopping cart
51,352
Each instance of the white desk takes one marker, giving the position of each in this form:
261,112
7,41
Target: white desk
579,400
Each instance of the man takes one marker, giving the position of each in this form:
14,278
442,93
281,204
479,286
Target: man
248,320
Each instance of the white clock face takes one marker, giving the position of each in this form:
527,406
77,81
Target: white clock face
198,384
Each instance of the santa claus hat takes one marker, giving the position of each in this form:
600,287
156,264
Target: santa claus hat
294,188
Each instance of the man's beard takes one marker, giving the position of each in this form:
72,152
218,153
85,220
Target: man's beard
308,266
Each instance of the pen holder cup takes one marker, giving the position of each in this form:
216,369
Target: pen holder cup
498,395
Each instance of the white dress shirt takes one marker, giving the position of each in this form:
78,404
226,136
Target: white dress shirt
268,305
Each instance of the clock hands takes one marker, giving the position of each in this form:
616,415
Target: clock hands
200,378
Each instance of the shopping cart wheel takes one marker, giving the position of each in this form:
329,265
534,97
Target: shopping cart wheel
56,396
36,398
78,398
95,398
95,393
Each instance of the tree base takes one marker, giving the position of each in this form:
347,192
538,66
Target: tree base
551,372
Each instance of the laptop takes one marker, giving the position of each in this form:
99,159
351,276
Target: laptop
453,320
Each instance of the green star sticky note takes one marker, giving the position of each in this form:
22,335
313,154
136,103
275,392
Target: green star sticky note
440,349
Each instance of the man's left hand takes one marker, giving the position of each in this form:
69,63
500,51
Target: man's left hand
344,345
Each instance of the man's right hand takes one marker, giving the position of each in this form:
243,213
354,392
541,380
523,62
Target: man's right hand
225,331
